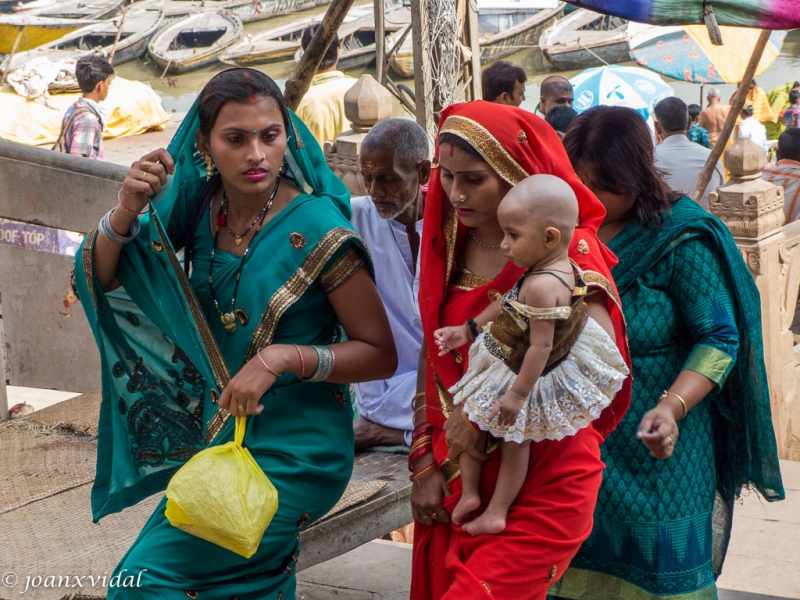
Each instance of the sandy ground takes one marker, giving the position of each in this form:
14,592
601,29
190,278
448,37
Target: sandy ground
125,150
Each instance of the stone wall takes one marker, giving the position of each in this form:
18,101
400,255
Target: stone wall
47,341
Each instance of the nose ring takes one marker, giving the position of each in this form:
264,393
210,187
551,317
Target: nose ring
264,155
463,198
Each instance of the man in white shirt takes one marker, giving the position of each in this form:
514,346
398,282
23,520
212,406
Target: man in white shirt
395,166
752,129
679,159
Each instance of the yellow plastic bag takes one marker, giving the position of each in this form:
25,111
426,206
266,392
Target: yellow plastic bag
222,496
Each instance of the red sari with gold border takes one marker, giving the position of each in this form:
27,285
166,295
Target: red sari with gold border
552,515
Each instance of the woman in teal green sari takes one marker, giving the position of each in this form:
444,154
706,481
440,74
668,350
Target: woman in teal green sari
664,512
272,313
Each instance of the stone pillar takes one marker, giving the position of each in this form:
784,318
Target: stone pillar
366,103
752,208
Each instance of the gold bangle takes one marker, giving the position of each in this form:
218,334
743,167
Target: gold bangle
420,474
679,397
468,422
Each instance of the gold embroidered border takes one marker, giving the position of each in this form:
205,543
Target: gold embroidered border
344,268
221,372
450,229
593,278
289,293
466,281
88,264
487,145
445,399
450,469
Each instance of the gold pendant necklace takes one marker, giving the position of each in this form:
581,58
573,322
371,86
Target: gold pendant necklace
229,319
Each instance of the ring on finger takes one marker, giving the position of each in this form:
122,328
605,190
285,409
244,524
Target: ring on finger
146,165
143,177
242,408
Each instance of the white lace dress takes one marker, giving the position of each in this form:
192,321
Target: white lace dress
564,399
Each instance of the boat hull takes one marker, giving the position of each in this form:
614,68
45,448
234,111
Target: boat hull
184,60
33,37
583,58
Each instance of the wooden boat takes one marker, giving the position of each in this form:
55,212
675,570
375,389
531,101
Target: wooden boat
586,39
247,10
35,31
194,41
504,27
77,9
137,29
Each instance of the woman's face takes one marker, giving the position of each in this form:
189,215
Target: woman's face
247,144
618,206
473,187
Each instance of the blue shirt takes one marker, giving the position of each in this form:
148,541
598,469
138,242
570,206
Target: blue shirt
388,401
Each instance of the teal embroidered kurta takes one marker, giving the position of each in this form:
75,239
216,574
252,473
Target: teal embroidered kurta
689,303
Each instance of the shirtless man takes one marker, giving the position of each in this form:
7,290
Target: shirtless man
713,116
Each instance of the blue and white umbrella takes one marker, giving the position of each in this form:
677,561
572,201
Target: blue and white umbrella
613,85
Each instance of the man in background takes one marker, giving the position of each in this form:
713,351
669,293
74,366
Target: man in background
679,159
322,107
395,166
712,118
83,124
787,172
554,91
503,83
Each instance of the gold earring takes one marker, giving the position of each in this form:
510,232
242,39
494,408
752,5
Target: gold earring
209,167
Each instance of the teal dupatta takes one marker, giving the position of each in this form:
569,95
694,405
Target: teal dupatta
744,436
162,367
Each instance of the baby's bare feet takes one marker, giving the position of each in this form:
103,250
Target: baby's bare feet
465,505
487,523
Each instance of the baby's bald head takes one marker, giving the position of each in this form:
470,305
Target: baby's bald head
542,201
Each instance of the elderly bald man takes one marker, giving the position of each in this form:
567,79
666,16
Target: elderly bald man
395,167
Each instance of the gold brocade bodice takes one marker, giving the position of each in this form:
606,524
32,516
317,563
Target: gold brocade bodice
509,336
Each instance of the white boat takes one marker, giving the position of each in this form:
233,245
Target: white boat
76,9
586,39
99,38
194,41
247,10
504,27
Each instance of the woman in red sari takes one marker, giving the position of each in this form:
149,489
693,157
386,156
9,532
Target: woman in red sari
484,149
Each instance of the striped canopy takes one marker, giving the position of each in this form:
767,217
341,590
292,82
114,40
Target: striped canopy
763,14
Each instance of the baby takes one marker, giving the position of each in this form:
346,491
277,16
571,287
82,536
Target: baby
542,369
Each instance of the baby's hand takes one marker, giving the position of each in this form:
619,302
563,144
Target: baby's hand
450,338
508,407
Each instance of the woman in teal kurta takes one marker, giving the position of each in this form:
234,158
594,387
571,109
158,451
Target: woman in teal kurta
664,512
173,363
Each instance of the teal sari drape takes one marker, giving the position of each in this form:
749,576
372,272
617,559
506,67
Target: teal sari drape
166,356
662,527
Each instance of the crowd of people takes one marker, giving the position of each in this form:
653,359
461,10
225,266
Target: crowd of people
565,343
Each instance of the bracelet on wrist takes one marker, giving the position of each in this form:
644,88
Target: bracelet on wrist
472,327
423,472
266,366
680,398
122,204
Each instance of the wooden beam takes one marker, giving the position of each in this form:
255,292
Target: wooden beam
300,79
472,40
422,86
736,108
380,42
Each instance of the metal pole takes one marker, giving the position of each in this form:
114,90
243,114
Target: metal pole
3,390
11,56
380,42
475,48
736,108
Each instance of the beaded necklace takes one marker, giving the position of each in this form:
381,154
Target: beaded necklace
229,318
222,217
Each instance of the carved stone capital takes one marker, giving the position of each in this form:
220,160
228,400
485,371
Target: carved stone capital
366,103
751,208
